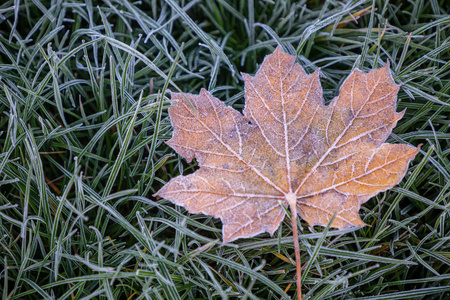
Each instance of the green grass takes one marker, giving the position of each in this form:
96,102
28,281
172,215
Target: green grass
83,102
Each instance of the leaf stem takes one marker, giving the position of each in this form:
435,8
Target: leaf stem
297,250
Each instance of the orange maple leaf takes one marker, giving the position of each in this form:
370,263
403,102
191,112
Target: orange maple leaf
287,147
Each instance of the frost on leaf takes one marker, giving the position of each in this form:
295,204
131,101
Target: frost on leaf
288,147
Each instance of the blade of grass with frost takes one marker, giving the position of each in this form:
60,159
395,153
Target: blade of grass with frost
70,292
105,283
75,50
423,59
421,93
11,220
245,270
52,251
324,23
365,47
118,162
288,240
142,57
47,38
251,22
24,260
403,55
93,79
442,169
161,28
183,230
127,68
36,162
11,142
443,21
320,283
214,73
144,20
419,280
38,289
62,201
164,276
120,219
111,35
214,48
217,288
362,256
176,214
408,294
287,47
115,104
103,130
5,278
343,290
317,247
417,197
16,8
382,224
44,10
96,200
312,37
85,278
26,202
16,66
421,261
56,89
157,130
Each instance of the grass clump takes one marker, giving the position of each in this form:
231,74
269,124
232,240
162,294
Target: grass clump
83,122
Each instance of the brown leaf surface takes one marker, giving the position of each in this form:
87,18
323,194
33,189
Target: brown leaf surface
288,146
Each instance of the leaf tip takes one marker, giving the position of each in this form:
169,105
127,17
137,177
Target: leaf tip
399,115
279,49
246,76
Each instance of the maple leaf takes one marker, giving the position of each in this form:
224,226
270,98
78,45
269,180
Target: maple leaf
288,148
